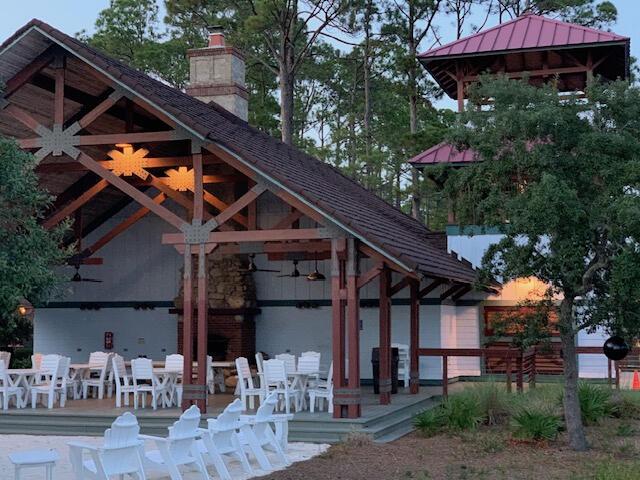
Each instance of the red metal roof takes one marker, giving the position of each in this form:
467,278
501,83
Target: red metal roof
443,153
525,32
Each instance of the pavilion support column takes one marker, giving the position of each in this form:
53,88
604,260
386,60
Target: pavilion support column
201,401
340,410
353,322
414,344
187,330
385,337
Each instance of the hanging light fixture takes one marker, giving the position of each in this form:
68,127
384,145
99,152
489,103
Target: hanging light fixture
129,162
316,276
25,308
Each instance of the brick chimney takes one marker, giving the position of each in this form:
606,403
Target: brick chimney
217,74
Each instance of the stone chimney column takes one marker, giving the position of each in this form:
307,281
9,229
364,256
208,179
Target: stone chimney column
217,74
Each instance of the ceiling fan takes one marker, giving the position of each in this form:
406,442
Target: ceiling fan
316,275
295,273
79,278
252,267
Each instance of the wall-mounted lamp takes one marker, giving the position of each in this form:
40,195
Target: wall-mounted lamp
25,309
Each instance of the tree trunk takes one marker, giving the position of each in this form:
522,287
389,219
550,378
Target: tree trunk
286,105
367,94
413,108
572,412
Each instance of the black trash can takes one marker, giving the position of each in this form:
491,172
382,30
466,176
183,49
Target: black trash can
375,364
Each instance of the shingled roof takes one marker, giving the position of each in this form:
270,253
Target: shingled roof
340,199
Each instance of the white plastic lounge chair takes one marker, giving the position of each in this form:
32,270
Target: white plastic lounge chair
324,390
120,453
124,382
247,390
142,371
97,374
277,381
180,447
403,362
53,375
261,435
221,439
8,390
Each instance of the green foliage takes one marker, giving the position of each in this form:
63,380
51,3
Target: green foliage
595,402
535,424
430,422
28,252
626,404
493,401
615,470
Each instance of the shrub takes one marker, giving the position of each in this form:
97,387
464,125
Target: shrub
595,402
462,412
535,424
493,402
626,404
430,421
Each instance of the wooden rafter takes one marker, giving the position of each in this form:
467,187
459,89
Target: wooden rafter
399,286
456,287
150,162
370,274
288,220
463,291
255,236
78,202
114,138
241,203
58,96
431,287
25,75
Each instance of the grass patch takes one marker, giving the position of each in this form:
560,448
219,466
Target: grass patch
595,402
535,424
614,471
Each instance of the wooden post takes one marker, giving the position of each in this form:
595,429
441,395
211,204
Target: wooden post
202,328
414,358
460,87
384,380
445,376
187,333
353,319
509,373
338,324
519,373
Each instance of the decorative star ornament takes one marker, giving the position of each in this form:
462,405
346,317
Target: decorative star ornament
129,162
180,179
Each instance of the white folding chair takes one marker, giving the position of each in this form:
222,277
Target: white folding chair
404,370
277,381
120,453
245,380
221,439
323,390
96,377
53,373
124,382
142,371
8,390
289,361
180,447
261,435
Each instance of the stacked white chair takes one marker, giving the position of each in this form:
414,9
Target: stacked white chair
142,371
323,390
221,438
289,362
120,453
277,381
310,365
8,390
123,381
97,377
259,363
179,447
6,358
175,362
245,381
404,369
214,378
261,434
53,373
310,353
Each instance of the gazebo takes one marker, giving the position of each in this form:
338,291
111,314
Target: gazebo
106,135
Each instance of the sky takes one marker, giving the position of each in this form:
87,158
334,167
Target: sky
72,16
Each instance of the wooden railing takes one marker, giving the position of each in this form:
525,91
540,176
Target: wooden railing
520,363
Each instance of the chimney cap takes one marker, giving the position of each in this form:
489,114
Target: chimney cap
211,29
216,36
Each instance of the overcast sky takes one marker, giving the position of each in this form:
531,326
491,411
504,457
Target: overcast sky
72,16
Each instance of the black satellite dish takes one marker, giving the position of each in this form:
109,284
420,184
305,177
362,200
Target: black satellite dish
615,348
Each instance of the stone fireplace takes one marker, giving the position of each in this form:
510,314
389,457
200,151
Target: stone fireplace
232,308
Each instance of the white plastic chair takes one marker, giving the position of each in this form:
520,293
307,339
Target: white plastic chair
8,390
142,371
261,435
221,439
324,390
175,362
289,361
404,370
245,380
310,353
54,372
276,380
180,447
97,374
124,382
259,367
6,358
120,453
214,378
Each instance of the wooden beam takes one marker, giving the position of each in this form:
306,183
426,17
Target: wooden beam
414,337
58,97
337,325
384,378
463,291
353,327
320,248
288,220
214,201
370,275
23,117
371,253
187,328
98,110
254,236
431,287
150,162
202,336
64,212
198,189
133,192
174,195
535,73
25,75
454,288
122,226
399,286
235,207
139,137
